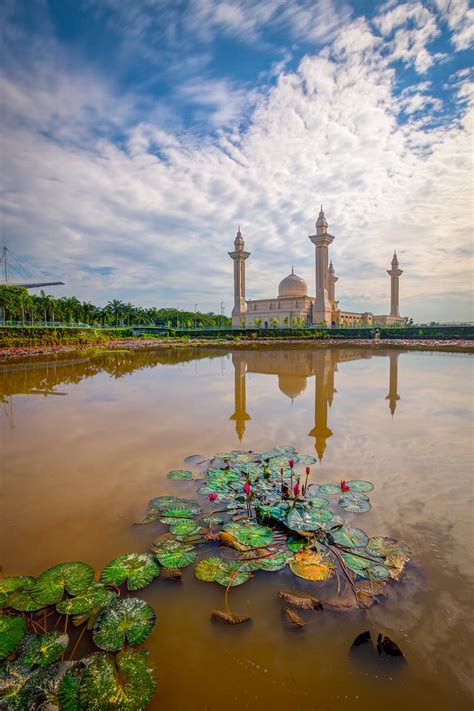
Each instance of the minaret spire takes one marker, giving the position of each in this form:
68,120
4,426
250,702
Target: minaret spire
239,255
395,274
322,307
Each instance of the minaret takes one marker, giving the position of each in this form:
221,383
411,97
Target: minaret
323,390
332,285
321,240
239,256
395,274
240,415
393,396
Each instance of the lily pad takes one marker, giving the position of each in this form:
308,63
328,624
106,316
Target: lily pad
125,683
232,574
296,543
351,537
318,502
274,562
68,693
128,619
307,459
22,599
42,649
208,569
252,534
213,520
329,489
312,565
354,502
303,520
179,474
96,596
138,569
354,562
12,631
12,584
64,577
358,485
174,554
184,527
374,572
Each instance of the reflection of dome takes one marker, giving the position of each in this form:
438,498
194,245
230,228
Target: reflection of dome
292,385
292,285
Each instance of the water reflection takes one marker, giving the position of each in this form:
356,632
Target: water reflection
293,368
95,433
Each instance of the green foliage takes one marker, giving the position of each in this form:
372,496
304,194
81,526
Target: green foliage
125,684
174,554
12,631
70,577
42,649
96,596
126,620
138,569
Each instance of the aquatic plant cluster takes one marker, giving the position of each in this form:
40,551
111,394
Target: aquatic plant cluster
270,517
34,673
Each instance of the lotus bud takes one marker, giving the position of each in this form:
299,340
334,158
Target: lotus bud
212,496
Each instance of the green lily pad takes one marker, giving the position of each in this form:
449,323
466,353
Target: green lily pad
307,459
69,577
167,503
318,503
127,619
12,631
22,599
138,569
124,684
296,543
274,562
174,554
12,584
358,485
94,597
384,546
42,649
251,534
232,574
208,569
351,537
13,687
213,520
308,520
179,474
374,572
355,563
329,489
68,693
184,527
354,502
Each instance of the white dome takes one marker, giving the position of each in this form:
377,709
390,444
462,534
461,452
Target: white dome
292,285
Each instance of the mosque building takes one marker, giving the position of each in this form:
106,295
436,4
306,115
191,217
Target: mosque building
293,306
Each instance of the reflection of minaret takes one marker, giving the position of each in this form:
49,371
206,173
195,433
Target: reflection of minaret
393,396
324,366
240,415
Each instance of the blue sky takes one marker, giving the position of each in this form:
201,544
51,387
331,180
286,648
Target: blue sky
137,135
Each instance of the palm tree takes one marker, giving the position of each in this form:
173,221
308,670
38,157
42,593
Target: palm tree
116,308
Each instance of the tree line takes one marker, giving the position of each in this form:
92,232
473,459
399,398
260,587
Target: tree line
18,305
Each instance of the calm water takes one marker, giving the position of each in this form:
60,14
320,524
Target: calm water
86,440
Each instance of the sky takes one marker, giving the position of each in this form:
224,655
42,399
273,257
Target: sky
136,135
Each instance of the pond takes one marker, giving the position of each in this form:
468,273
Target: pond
88,438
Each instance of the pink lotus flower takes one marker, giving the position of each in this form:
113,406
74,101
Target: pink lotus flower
344,486
308,471
212,496
291,462
247,487
296,489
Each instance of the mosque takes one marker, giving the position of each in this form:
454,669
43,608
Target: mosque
293,306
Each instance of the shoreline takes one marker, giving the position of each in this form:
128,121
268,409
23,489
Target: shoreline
420,345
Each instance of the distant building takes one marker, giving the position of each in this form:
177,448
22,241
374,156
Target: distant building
293,306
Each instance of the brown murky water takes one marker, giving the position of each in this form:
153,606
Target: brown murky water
86,440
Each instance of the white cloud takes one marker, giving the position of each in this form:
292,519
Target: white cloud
161,206
409,28
459,17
